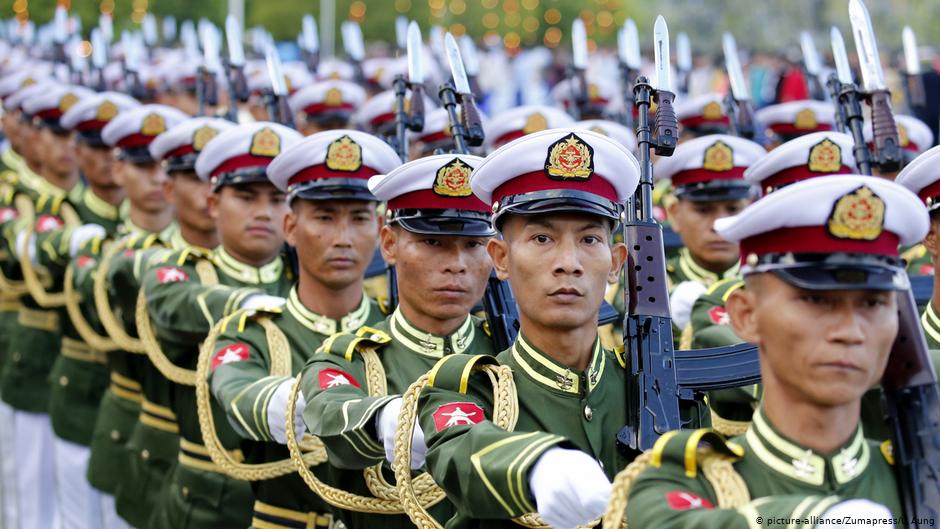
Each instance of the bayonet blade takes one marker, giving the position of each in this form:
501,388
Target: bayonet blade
149,26
275,71
683,52
911,57
210,48
579,46
415,57
840,56
733,65
352,41
99,49
468,52
233,37
661,55
107,27
311,38
190,39
60,25
866,46
810,55
401,32
169,29
456,64
632,38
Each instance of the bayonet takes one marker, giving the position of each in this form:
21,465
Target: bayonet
107,27
149,27
190,39
632,39
309,41
233,37
840,57
579,45
60,25
468,50
866,46
99,50
683,52
468,128
810,55
235,73
733,65
169,29
456,64
914,85
355,46
401,33
577,76
415,121
277,103
661,55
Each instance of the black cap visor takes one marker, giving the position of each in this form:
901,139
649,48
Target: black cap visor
839,271
557,201
331,189
455,222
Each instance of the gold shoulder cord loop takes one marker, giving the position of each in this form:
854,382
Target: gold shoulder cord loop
109,321
32,277
73,307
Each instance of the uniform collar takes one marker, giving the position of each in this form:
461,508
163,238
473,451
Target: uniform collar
40,184
165,235
547,371
323,324
269,273
99,206
803,464
11,159
694,272
177,242
427,344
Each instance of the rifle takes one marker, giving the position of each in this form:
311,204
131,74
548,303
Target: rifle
276,96
234,67
665,385
910,395
738,102
206,86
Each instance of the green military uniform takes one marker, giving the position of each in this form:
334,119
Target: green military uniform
919,261
683,267
183,311
483,468
783,479
243,386
343,415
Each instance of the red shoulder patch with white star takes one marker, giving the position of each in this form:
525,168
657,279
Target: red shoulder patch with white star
236,352
719,316
171,274
926,269
331,378
7,214
680,500
48,222
84,260
457,413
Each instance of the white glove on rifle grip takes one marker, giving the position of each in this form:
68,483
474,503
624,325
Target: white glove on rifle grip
386,424
83,234
682,299
256,302
277,413
30,246
570,488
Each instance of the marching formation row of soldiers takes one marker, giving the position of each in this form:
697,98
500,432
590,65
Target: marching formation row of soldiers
190,339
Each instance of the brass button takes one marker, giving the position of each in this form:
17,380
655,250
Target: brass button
588,413
63,381
115,435
145,454
185,492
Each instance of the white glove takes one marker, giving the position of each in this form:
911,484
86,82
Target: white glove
682,299
83,234
30,246
386,424
277,413
569,487
256,302
868,513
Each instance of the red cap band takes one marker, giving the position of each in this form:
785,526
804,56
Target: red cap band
241,162
427,199
321,171
790,129
694,176
537,181
797,174
815,239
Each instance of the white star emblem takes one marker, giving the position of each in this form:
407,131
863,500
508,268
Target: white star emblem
804,466
694,501
337,380
458,417
229,355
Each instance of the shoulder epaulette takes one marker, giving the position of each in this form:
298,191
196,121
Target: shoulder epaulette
685,447
345,344
453,372
725,287
887,450
238,320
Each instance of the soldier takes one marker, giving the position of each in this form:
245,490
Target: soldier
519,121
556,197
333,225
108,280
790,120
435,236
702,116
187,292
820,303
325,105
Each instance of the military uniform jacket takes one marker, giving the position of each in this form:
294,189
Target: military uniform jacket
483,468
343,415
242,384
683,268
183,311
784,480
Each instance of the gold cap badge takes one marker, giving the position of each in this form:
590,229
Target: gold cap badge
599,130
712,111
106,111
718,157
903,138
594,92
805,119
859,215
333,97
568,158
29,81
153,125
453,179
265,142
202,135
67,101
825,157
534,123
344,155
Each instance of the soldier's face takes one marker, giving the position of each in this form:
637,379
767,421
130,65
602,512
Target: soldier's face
250,218
559,267
440,277
95,164
335,239
32,144
59,152
11,129
144,184
822,348
694,222
190,198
